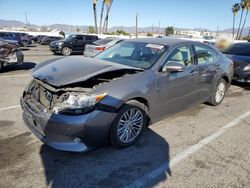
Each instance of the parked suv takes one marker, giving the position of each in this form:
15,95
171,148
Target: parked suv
25,38
73,43
47,40
11,37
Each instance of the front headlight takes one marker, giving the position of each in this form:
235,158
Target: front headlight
78,103
246,68
59,43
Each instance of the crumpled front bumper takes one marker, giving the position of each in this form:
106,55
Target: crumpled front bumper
16,57
77,133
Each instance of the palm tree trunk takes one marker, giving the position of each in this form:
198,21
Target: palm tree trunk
237,36
233,25
244,23
95,17
105,24
100,28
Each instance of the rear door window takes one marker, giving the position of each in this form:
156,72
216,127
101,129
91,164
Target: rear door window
205,54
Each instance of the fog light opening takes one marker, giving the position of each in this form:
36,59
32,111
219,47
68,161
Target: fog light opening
77,140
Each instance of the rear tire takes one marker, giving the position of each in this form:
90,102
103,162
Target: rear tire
219,93
1,66
128,124
66,51
25,43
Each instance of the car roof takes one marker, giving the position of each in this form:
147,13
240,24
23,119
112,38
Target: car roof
163,41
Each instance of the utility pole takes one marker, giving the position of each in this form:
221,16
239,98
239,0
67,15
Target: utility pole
26,20
136,26
152,28
159,29
217,32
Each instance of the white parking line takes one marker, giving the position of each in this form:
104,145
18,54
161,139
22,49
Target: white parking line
15,75
147,178
10,107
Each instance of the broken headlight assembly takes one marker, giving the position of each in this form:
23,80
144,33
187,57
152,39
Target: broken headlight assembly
246,68
76,103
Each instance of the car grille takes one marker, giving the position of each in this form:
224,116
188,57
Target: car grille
41,94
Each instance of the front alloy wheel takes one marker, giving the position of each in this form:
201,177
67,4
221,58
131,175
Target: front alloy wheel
66,51
129,124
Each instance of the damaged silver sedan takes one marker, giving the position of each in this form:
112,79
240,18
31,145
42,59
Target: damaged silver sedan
78,103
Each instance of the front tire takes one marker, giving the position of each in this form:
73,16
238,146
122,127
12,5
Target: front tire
66,51
219,93
128,124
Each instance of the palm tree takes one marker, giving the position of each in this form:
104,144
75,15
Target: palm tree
242,5
94,2
235,10
102,10
246,8
108,6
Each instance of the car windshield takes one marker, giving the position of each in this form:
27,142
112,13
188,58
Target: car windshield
134,54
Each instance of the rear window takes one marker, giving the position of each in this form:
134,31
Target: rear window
238,49
103,41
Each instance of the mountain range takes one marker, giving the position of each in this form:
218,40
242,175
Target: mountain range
84,28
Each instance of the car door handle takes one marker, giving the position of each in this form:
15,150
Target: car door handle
217,66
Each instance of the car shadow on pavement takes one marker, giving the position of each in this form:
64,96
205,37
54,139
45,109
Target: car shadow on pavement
107,167
245,86
16,67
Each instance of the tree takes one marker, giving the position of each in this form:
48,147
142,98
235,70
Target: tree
169,31
101,17
242,6
122,32
149,34
108,4
246,8
94,2
62,33
235,10
91,29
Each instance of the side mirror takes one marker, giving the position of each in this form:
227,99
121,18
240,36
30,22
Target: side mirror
172,66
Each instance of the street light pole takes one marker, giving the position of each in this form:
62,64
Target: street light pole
136,26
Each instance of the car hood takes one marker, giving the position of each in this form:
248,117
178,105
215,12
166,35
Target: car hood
69,70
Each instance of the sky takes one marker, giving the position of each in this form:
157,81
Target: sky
181,14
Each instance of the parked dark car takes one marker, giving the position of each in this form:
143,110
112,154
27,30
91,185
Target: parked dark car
98,46
73,43
9,54
78,103
239,53
47,40
25,38
40,37
11,37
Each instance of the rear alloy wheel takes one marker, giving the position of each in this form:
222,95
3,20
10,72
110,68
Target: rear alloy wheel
219,93
25,43
128,125
66,51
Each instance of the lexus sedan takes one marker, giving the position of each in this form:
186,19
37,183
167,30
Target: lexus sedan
98,46
78,103
239,53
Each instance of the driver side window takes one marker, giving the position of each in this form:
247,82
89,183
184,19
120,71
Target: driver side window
182,55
